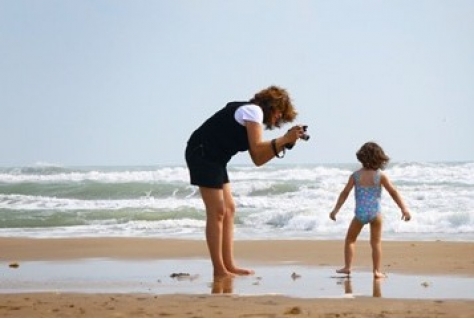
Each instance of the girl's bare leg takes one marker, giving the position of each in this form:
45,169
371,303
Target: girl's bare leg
349,246
376,244
215,210
228,234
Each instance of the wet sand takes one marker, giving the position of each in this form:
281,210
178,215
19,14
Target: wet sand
359,296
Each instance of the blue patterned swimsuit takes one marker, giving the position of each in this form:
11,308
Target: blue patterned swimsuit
367,198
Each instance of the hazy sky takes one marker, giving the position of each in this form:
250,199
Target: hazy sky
126,82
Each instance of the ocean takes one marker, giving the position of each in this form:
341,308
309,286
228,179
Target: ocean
273,202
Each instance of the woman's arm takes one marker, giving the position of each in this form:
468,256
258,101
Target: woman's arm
261,151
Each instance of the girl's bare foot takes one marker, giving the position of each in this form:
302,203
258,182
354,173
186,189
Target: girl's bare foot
344,270
378,274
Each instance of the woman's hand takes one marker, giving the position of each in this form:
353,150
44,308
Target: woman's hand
293,134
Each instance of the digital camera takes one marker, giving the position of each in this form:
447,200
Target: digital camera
304,137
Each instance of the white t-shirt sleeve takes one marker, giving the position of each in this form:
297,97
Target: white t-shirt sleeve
249,112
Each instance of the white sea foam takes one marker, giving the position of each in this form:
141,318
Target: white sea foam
272,202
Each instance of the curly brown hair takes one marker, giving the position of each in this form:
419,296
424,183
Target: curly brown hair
274,99
372,156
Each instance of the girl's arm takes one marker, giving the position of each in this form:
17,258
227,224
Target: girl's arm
262,151
387,184
342,197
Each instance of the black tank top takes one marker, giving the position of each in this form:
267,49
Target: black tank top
221,136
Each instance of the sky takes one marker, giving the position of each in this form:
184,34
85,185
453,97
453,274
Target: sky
126,82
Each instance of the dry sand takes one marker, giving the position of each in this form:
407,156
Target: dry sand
434,258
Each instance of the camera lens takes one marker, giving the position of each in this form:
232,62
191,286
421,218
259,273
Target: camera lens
305,137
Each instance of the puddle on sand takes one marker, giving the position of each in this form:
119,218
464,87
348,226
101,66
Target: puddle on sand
154,277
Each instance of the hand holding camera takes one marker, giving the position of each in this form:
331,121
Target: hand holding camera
303,136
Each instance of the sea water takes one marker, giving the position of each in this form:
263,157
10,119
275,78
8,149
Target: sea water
272,202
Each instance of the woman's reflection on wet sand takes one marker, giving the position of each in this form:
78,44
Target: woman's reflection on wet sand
376,289
223,285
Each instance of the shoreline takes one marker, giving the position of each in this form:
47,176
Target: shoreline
418,258
410,257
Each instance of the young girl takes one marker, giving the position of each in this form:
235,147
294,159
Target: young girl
368,182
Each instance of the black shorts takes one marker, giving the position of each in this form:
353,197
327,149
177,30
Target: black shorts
203,171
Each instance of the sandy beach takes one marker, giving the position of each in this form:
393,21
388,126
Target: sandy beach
455,259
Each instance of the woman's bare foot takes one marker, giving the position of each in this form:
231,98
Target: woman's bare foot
241,271
221,275
344,270
378,274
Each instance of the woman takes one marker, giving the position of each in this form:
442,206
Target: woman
235,128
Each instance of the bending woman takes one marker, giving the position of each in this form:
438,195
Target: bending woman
237,127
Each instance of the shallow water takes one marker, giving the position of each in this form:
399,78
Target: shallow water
154,277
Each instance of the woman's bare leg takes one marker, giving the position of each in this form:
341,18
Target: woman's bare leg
349,246
228,234
215,210
376,244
